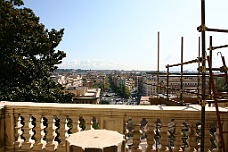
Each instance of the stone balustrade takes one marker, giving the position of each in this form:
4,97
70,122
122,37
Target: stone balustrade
46,126
2,128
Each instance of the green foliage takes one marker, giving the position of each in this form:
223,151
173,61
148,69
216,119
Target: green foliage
104,102
129,134
112,85
124,92
221,84
106,84
95,126
28,56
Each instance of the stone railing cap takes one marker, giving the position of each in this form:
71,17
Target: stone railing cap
192,107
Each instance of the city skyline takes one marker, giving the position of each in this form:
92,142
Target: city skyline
122,35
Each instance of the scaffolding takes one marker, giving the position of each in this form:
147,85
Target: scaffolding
213,96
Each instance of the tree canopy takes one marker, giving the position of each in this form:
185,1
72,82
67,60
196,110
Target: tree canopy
221,84
124,92
28,56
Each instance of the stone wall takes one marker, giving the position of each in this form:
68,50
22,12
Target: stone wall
2,129
21,119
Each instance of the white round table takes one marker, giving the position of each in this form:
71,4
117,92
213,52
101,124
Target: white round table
99,140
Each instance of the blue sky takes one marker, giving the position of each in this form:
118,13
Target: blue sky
122,34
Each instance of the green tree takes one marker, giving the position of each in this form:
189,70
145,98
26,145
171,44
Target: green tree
124,92
104,102
112,84
28,56
221,84
106,84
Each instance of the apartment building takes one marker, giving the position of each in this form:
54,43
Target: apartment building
93,79
190,83
84,95
126,80
147,85
72,80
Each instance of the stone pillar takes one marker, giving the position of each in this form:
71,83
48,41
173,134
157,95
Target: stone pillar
171,135
32,132
94,123
56,131
49,133
185,130
198,136
20,131
62,130
157,135
129,134
68,126
143,138
81,124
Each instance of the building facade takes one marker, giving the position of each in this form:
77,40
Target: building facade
84,95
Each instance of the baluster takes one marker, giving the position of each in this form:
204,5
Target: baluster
171,135
198,137
94,123
32,132
20,131
68,127
143,138
61,131
43,132
55,127
157,135
87,120
129,135
185,128
74,123
81,124
214,137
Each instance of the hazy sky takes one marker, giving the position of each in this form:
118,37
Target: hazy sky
122,34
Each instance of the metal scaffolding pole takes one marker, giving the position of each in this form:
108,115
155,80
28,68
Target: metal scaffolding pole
167,85
217,47
203,102
158,60
186,74
204,28
187,62
181,79
216,30
198,97
210,54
